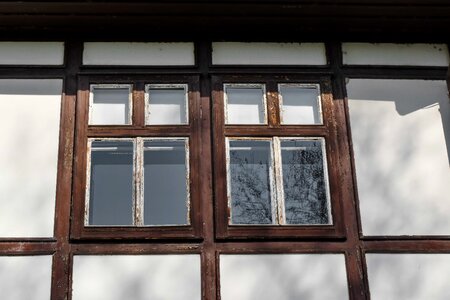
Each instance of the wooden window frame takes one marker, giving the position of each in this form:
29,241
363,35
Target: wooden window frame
137,129
274,128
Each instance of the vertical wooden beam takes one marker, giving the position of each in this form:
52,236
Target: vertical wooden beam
354,256
61,260
208,260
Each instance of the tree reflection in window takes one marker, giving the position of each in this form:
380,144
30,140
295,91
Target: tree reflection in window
298,195
250,165
305,194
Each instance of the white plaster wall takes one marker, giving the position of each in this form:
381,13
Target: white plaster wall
233,53
283,277
29,131
136,277
25,277
401,141
42,53
409,276
138,54
395,54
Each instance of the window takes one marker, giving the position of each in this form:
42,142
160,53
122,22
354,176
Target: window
135,158
280,181
272,147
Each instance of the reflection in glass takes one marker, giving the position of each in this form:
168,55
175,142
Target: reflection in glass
111,183
110,106
165,182
166,106
245,105
249,182
300,105
305,190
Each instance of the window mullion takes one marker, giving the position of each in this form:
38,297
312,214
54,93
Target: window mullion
88,184
138,201
273,183
278,182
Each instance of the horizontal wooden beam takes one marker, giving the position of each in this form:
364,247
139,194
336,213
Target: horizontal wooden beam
262,19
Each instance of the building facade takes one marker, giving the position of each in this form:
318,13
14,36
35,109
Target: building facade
225,150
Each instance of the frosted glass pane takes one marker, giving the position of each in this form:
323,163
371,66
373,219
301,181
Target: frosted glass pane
110,106
31,53
136,277
232,53
283,277
300,105
245,105
395,54
165,183
111,183
138,54
304,183
249,182
401,140
167,106
29,128
408,276
25,277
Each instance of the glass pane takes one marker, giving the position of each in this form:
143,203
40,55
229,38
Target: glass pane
245,105
249,182
165,183
284,277
136,277
110,106
300,105
166,106
111,185
305,188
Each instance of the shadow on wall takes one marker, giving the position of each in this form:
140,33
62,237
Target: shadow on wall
408,97
283,276
137,277
401,140
25,277
30,113
409,276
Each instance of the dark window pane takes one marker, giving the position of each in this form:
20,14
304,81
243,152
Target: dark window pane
111,185
305,190
250,165
165,184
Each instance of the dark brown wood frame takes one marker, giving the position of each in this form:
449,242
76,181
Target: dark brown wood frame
64,245
274,128
138,128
